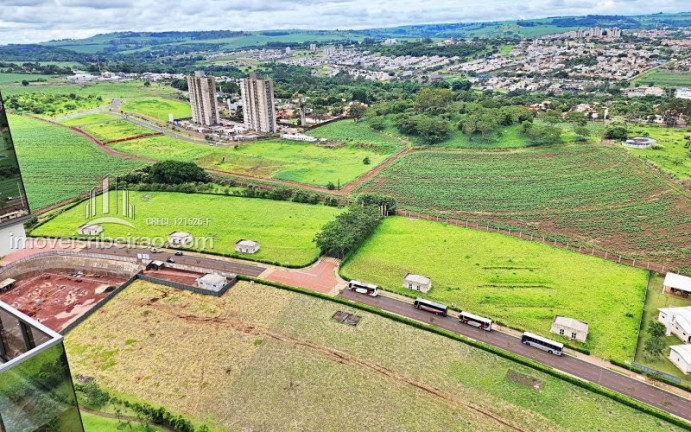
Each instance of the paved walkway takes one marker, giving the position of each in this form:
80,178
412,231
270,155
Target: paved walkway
321,276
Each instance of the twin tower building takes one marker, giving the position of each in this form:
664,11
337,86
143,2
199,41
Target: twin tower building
257,97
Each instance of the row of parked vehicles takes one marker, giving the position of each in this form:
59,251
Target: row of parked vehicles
467,318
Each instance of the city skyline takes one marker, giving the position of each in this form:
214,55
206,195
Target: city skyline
33,21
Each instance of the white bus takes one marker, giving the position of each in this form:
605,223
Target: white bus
544,344
363,288
430,306
475,321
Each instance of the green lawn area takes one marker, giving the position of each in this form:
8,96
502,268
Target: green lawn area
158,108
359,134
58,164
269,359
285,160
17,78
506,49
107,90
115,129
674,156
656,299
94,423
284,229
664,78
87,119
518,282
585,194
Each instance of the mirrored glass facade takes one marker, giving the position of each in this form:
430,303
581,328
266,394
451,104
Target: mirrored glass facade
36,391
13,203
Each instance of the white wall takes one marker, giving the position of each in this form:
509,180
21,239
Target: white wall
12,237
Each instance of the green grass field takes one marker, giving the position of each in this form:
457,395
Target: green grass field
590,195
157,108
359,134
285,160
674,156
87,119
107,90
17,78
94,423
664,78
656,299
284,229
521,283
58,164
115,129
268,359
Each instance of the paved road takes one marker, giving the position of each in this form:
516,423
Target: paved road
623,384
236,267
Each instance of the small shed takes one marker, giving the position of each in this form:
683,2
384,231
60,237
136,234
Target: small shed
677,284
179,238
212,281
570,327
247,246
7,284
417,282
90,229
680,355
155,265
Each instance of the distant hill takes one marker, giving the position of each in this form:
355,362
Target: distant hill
172,42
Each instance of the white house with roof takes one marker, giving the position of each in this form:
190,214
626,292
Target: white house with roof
677,321
247,246
570,328
677,284
417,282
179,238
680,355
212,281
90,229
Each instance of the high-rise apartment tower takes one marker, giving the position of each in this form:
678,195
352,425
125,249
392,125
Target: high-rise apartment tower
258,107
202,91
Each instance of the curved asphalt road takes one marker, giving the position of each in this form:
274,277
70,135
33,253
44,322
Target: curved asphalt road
253,270
654,396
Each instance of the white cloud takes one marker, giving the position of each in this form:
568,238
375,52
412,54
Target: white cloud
26,21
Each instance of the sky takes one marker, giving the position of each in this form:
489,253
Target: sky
29,21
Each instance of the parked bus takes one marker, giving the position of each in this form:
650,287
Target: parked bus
475,321
430,306
544,344
363,288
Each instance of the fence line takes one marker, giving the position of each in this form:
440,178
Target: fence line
552,242
67,253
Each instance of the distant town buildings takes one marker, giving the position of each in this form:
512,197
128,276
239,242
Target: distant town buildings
683,93
258,106
202,90
596,32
